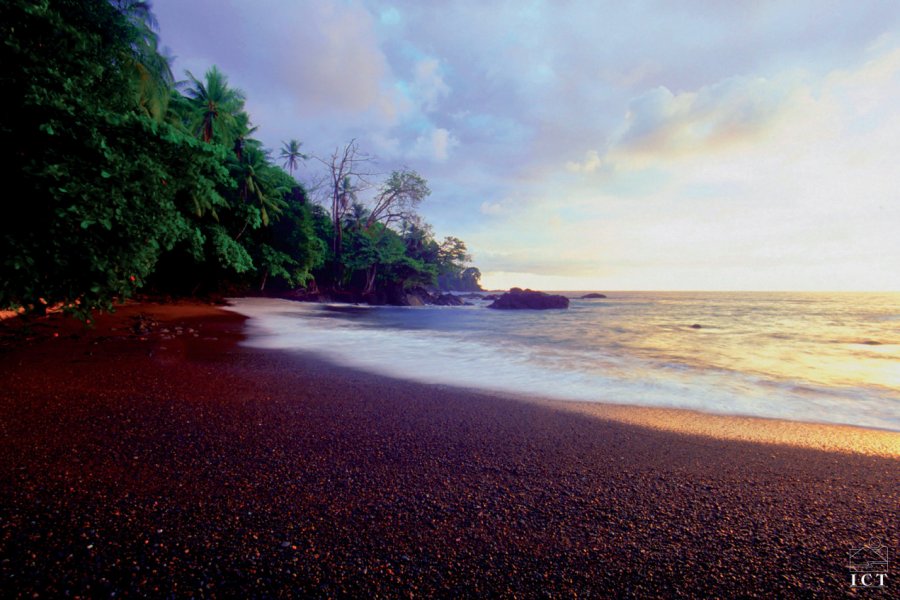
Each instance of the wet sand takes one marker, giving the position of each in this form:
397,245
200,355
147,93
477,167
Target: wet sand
152,460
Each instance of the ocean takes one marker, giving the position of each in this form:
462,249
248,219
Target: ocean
815,357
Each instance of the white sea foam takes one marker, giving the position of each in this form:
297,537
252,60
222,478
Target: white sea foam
531,359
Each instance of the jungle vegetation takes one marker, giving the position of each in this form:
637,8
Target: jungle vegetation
125,178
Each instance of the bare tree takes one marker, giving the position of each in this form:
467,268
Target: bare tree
348,174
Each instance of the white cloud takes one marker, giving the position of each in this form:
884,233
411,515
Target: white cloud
781,183
429,84
738,110
435,145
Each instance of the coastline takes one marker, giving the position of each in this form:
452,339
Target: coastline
137,463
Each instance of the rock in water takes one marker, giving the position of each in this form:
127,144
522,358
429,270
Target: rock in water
448,300
592,296
414,300
529,299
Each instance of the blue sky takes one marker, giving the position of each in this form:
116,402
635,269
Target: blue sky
597,145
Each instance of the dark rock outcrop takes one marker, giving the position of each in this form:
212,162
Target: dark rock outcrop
448,300
592,296
516,299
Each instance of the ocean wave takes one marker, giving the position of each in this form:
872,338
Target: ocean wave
535,365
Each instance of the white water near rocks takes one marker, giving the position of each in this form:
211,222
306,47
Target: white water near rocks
831,358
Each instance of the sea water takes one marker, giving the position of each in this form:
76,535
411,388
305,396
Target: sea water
813,357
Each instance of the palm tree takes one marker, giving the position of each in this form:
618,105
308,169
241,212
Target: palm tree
254,184
152,77
290,152
356,216
242,131
347,193
218,107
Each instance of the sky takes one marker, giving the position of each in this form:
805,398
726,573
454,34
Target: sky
596,145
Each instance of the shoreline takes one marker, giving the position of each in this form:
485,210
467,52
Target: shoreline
823,435
193,464
469,359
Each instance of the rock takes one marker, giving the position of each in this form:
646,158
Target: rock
696,326
414,300
423,295
448,300
490,297
592,296
517,298
143,324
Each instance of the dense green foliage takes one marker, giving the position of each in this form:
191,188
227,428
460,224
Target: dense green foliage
122,179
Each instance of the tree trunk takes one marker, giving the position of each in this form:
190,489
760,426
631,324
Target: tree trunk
338,267
370,279
262,286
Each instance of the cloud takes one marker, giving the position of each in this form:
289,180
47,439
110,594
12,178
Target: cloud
653,133
329,63
492,208
435,145
661,124
336,62
429,84
590,163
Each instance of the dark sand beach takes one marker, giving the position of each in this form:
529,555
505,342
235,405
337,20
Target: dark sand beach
180,463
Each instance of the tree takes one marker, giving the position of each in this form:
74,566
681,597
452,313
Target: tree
419,240
347,175
379,253
398,197
356,216
289,249
453,253
151,76
290,153
109,188
255,185
216,107
453,274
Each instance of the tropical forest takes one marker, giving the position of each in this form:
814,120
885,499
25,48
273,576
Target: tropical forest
127,178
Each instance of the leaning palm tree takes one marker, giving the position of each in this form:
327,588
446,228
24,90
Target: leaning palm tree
218,107
151,73
254,184
290,152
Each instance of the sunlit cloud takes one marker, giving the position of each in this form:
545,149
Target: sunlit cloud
769,188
